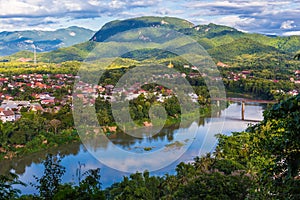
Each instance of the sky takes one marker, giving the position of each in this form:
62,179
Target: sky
267,17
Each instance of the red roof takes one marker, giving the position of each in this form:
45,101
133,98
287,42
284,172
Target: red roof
3,79
8,113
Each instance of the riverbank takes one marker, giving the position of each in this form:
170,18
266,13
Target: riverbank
41,142
48,140
204,111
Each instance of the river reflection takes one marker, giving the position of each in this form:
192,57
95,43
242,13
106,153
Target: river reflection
229,121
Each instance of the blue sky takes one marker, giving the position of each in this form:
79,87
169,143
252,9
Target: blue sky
268,17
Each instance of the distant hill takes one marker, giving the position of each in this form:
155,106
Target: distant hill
223,43
12,42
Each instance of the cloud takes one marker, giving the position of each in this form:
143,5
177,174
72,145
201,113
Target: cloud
254,16
42,8
116,4
45,23
287,24
167,11
275,16
67,10
290,33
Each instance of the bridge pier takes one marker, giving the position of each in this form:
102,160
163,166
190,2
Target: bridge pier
243,110
243,101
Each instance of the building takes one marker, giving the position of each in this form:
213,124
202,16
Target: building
36,107
7,116
170,65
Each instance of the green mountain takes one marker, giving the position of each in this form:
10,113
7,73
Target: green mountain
222,43
12,42
118,26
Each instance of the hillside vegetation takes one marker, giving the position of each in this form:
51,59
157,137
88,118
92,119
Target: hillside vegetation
222,42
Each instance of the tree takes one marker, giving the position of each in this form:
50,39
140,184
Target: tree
278,139
90,187
49,183
172,106
137,186
6,186
270,150
6,129
216,185
55,123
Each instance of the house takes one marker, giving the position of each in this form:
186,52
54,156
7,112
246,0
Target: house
220,64
7,116
246,72
47,101
24,59
9,106
14,105
46,97
3,80
36,107
293,92
194,68
194,97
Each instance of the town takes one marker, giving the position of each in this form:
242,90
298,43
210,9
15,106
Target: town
50,92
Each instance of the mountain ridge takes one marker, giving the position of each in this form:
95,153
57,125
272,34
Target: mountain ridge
118,26
15,41
222,42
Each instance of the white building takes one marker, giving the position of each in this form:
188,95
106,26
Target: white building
7,116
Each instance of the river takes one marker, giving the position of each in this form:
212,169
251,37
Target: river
75,155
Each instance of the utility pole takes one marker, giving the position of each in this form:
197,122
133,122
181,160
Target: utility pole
34,53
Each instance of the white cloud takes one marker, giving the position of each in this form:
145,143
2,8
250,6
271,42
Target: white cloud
234,20
94,2
144,3
167,11
289,24
253,16
116,4
290,33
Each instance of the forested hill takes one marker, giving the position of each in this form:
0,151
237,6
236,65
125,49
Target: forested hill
114,27
15,41
222,42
